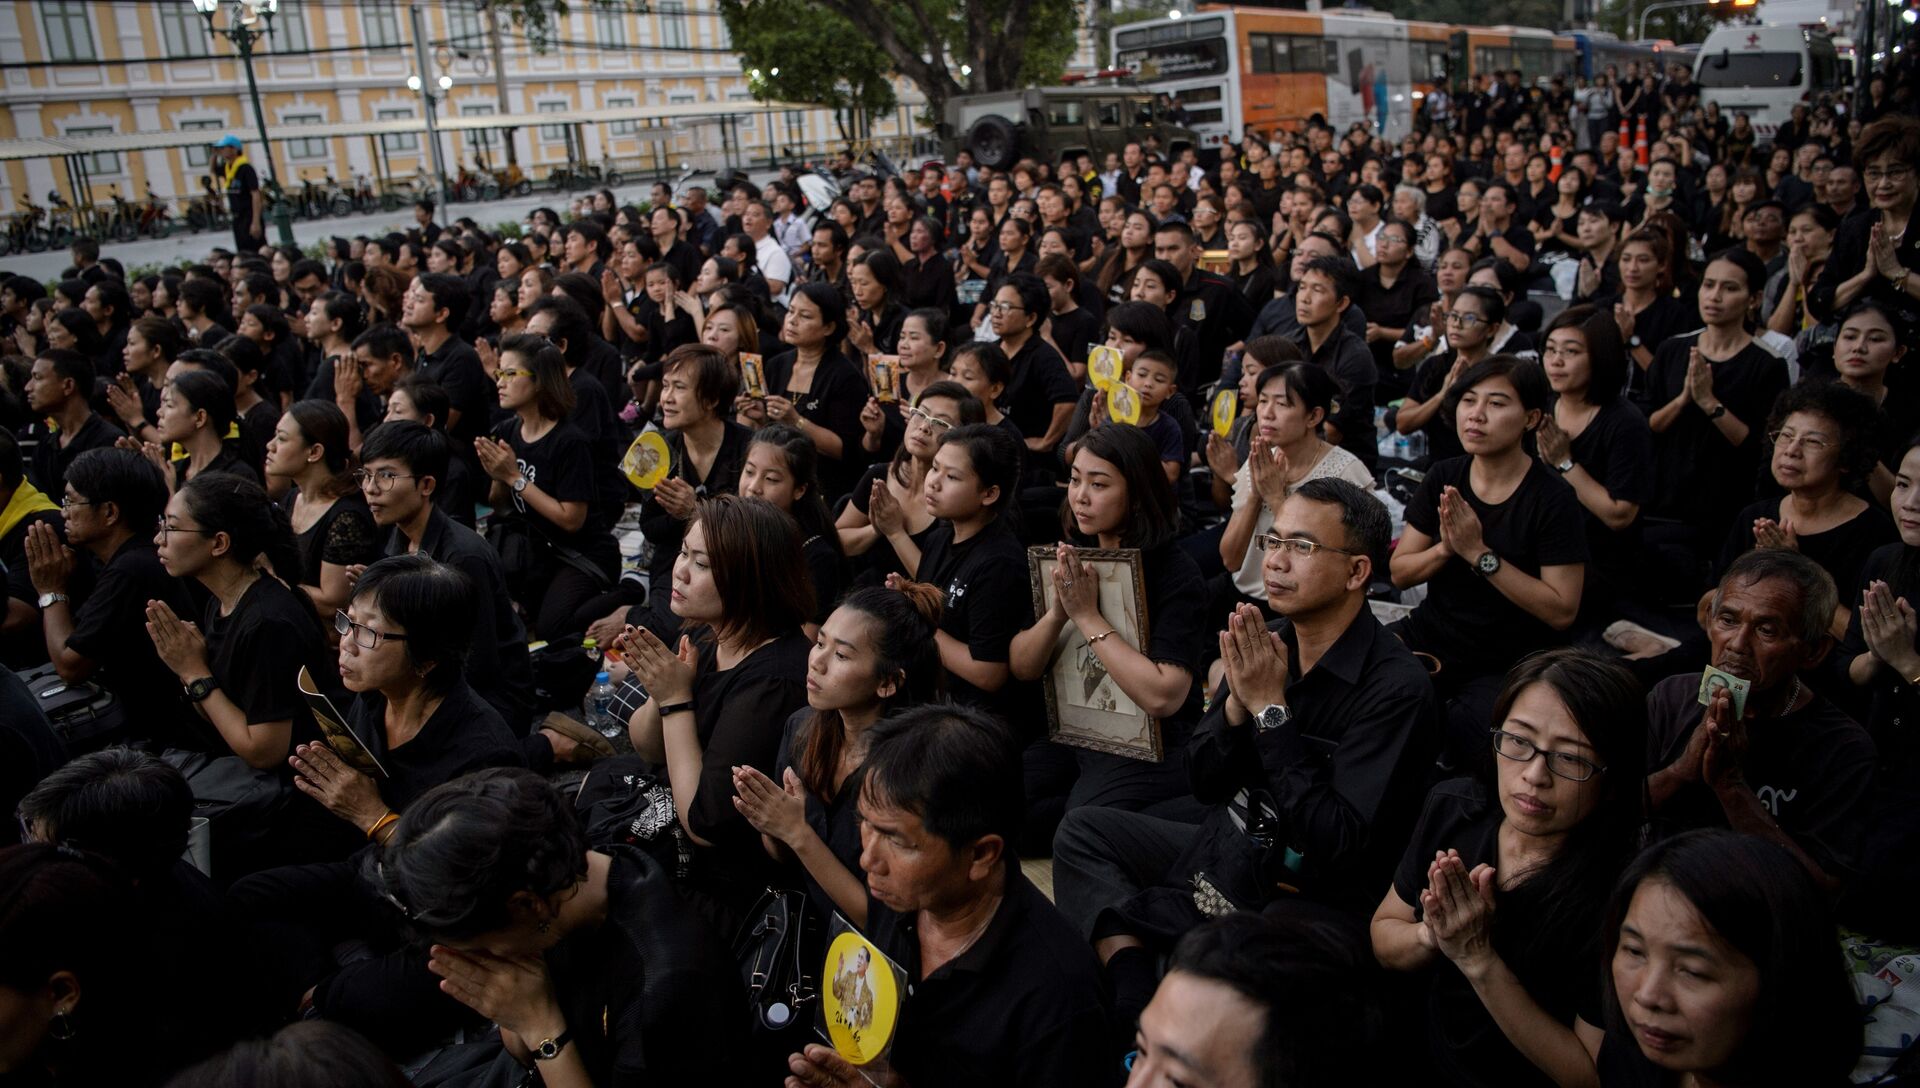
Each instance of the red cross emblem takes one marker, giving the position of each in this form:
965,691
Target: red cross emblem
1753,40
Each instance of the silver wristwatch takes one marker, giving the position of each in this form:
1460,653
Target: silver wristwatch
1272,716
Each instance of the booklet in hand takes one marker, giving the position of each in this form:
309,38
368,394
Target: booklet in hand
340,736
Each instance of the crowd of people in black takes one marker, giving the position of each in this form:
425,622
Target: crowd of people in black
1527,530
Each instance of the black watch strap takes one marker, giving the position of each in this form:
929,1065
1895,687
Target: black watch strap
674,708
548,1049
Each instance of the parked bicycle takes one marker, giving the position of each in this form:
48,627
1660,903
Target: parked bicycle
121,223
25,232
208,211
155,220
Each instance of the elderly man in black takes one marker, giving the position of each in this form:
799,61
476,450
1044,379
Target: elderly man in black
1312,757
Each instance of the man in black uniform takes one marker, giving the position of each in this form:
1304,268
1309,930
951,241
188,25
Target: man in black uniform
1209,304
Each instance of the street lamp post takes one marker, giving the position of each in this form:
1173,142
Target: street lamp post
251,21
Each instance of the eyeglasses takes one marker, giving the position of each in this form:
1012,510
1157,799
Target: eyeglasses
1297,546
1465,321
1808,443
66,503
162,529
1896,173
363,636
921,415
1563,764
508,375
1003,307
378,482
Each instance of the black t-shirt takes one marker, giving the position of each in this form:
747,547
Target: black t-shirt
560,463
1040,382
827,569
837,822
1889,704
1812,770
1616,449
456,367
1693,451
1442,442
497,664
1841,551
833,400
651,994
1075,332
1395,307
666,531
229,459
1346,358
257,652
109,629
48,469
1465,621
593,416
1024,1005
463,734
984,582
1560,970
1660,321
344,535
1177,630
881,560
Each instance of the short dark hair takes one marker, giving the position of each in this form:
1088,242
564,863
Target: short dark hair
449,293
70,365
1363,517
1034,299
570,325
385,341
304,267
715,381
436,606
955,767
1175,226
1606,352
1339,271
423,449
121,803
215,363
1142,322
133,484
429,398
994,456
115,296
1818,597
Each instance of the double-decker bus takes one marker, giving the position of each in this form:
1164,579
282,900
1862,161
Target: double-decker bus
1234,68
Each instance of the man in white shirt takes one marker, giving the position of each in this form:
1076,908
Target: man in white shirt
757,221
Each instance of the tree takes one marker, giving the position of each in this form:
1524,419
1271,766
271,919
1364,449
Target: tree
817,55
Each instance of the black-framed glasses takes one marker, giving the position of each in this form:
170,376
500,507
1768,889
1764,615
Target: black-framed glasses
1464,320
1297,546
1003,307
379,482
1563,764
363,636
162,529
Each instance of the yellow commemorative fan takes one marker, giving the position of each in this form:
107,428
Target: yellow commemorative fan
861,1000
1226,406
1123,404
647,461
1104,366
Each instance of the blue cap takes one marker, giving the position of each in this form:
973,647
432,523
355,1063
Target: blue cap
227,141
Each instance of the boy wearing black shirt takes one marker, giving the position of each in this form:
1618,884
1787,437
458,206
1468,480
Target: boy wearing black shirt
432,308
66,426
1322,295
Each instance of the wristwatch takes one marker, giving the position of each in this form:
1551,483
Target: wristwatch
1633,341
1488,564
198,690
519,483
1717,411
1564,467
548,1049
1272,716
46,600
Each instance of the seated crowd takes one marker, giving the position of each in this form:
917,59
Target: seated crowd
1527,688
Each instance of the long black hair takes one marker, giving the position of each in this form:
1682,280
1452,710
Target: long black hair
903,623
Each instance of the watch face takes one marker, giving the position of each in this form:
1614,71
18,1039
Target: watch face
1489,563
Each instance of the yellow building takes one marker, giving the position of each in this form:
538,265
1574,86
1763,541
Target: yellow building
97,67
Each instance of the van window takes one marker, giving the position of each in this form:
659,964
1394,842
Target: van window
1063,112
1729,69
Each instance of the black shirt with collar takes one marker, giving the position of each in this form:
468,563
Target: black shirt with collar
456,367
109,629
497,663
1025,1005
48,469
1213,307
462,734
1344,774
1345,356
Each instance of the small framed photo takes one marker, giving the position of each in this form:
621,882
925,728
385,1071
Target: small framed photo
883,373
1085,706
753,375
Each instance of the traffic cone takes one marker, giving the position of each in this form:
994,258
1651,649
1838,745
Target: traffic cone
1553,157
1640,141
1626,137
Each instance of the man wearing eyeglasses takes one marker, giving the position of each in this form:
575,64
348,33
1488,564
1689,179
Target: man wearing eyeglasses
1787,765
403,465
1312,757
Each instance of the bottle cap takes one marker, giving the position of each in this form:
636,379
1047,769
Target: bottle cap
589,644
602,678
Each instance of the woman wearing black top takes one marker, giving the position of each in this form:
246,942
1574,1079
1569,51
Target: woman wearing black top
1646,311
1598,444
241,664
1879,650
1016,255
1821,438
331,522
874,654
740,584
1707,399
1723,969
1875,255
972,556
1865,350
1499,900
1394,293
1251,268
929,276
706,448
586,954
922,351
813,386
196,415
542,471
1472,319
873,321
896,487
783,468
1499,542
1118,497
1556,222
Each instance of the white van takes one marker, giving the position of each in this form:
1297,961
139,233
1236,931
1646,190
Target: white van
1764,71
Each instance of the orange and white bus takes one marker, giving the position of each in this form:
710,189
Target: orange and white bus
1235,68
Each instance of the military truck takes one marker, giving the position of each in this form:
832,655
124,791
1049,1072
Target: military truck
1045,123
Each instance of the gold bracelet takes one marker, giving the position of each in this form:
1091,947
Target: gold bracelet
391,817
1100,636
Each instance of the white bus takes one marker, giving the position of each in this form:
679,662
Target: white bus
1764,71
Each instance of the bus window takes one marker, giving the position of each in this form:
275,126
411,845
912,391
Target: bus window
1309,55
1203,105
1729,69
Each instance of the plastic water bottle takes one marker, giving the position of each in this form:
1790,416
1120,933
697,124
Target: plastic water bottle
600,708
592,648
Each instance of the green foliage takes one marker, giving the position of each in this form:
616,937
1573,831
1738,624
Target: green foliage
1000,44
821,57
508,229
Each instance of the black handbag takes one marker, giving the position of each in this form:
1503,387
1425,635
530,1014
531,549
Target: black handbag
623,803
778,949
512,540
85,716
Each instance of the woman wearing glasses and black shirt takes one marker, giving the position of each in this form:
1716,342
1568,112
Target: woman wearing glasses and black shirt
1497,908
542,470
813,386
1473,318
891,492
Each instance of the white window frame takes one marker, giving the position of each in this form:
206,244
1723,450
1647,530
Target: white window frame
673,24
199,155
307,148
463,25
402,142
183,33
553,133
59,19
290,28
622,102
479,137
100,164
610,25
380,21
